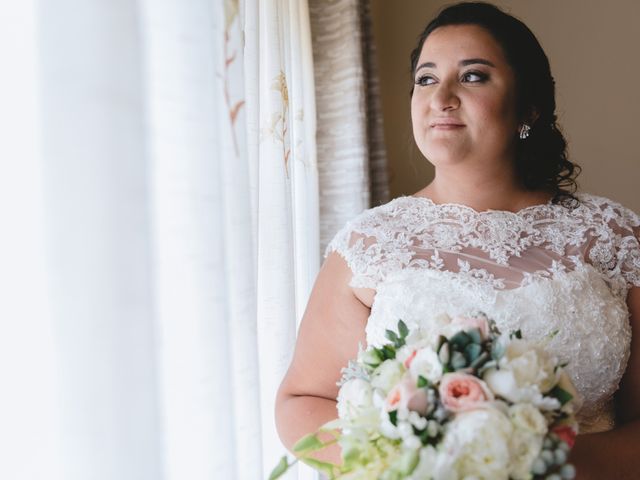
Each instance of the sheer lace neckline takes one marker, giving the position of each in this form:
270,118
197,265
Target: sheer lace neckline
489,211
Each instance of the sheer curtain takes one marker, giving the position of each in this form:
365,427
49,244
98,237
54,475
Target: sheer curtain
159,197
160,231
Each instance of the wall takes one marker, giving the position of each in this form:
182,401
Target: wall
594,59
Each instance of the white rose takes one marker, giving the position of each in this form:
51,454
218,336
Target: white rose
503,383
531,365
526,417
387,375
478,440
427,364
354,396
526,372
525,447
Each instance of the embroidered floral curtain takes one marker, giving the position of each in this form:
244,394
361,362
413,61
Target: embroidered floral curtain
160,234
160,209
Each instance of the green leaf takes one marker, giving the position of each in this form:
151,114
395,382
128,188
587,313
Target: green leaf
350,455
331,426
308,443
372,357
389,352
391,335
325,467
280,469
402,328
561,394
517,334
422,382
393,417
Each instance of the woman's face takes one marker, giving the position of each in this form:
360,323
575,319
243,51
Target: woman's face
463,106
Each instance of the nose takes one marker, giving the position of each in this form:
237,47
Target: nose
445,98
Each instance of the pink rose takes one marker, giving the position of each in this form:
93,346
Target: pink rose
469,323
461,391
407,395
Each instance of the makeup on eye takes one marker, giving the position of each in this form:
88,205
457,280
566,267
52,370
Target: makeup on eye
470,76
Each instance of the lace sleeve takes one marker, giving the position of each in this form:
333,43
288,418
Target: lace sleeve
616,245
629,247
369,247
353,245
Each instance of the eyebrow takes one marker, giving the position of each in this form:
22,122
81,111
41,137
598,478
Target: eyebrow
462,63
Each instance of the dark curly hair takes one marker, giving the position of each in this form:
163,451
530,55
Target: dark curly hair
541,159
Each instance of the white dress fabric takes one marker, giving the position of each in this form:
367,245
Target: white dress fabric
542,269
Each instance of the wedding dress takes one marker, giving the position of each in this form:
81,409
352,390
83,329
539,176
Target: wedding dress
542,269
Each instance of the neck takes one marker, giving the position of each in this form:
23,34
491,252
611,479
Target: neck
484,190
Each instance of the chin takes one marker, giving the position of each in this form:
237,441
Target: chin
444,155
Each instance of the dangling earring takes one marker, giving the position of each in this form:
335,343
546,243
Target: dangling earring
524,131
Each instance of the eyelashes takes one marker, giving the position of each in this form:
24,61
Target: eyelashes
471,76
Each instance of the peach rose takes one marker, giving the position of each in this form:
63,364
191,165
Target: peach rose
461,391
407,395
469,323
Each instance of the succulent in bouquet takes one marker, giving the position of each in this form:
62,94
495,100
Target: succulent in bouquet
454,398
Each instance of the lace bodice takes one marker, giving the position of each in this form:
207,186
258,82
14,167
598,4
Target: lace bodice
541,269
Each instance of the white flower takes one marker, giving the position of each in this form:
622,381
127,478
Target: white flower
525,446
354,396
526,372
427,364
477,442
387,375
387,428
428,332
426,463
526,417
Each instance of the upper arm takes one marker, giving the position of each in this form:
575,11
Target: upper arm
628,397
332,327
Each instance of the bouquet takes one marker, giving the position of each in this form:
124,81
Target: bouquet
454,399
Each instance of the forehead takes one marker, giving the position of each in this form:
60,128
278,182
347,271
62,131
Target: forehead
455,42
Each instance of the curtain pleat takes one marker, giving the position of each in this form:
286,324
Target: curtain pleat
287,198
174,215
351,154
378,174
28,367
98,245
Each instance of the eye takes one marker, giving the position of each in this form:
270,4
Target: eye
425,80
474,77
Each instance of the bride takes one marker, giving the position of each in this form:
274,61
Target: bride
500,229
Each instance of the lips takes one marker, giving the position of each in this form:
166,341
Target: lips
446,124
